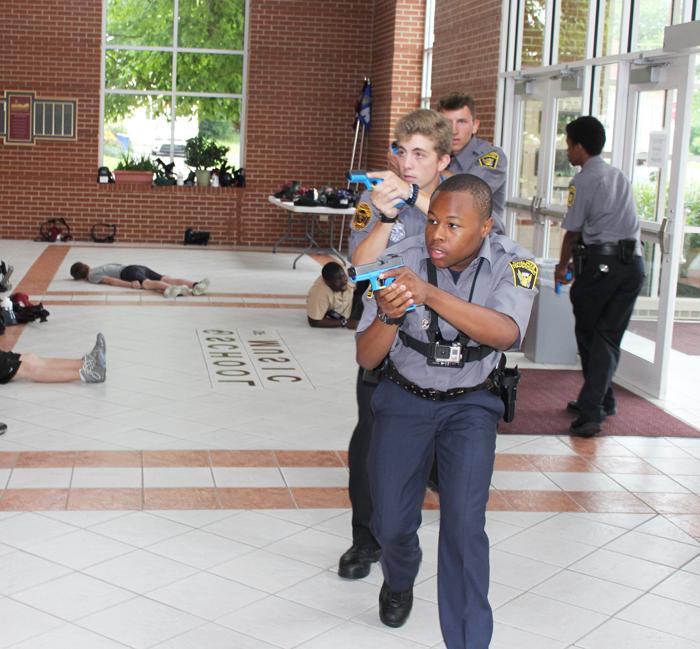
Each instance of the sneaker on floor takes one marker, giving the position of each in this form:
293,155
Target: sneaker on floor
91,371
100,347
201,287
174,290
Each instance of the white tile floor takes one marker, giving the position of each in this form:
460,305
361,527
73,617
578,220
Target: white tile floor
143,579
264,579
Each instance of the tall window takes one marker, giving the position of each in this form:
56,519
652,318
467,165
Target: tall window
429,39
173,69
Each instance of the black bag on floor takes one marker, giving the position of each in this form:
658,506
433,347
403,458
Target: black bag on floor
196,237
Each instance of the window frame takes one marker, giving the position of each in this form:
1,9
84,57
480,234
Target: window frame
173,93
428,42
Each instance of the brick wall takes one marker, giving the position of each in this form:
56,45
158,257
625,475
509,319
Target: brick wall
307,62
397,65
465,54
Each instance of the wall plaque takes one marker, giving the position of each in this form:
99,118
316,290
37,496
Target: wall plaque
20,127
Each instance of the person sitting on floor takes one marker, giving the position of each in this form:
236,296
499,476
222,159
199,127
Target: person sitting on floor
137,276
329,302
91,368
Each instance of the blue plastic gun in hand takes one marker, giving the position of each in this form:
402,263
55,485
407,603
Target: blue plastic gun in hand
360,176
371,273
557,285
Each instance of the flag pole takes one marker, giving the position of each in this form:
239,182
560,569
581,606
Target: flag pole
360,123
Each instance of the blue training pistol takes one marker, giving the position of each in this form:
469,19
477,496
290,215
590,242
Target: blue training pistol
557,285
371,272
360,176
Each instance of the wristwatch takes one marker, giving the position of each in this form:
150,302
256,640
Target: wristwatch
343,322
383,317
387,219
411,200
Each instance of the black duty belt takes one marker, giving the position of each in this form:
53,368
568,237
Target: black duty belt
611,249
429,393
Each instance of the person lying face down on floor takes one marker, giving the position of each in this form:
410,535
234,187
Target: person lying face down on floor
140,277
91,368
329,303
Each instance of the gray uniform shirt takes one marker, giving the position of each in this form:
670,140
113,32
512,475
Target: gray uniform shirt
411,222
499,285
489,163
97,274
600,204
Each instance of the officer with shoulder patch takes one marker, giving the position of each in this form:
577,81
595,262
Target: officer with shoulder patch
422,151
473,292
473,155
602,247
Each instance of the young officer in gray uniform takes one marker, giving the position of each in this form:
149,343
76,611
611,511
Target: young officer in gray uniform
422,153
473,155
473,293
608,268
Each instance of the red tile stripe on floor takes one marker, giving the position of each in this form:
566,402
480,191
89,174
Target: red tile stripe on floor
684,508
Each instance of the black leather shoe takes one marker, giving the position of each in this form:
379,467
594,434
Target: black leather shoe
584,428
394,608
608,411
357,561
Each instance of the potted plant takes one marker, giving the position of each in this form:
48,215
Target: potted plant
133,170
203,154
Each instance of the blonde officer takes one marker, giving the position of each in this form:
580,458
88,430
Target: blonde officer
422,153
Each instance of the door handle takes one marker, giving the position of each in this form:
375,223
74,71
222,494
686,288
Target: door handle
663,236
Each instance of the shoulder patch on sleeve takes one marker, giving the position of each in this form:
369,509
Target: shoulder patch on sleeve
524,273
571,196
489,160
362,217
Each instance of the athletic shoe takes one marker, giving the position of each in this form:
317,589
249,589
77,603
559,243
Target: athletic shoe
174,290
5,274
98,355
201,287
91,371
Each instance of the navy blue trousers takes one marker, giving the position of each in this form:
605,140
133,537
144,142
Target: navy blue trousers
462,434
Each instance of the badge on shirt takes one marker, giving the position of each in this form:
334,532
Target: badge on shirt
571,197
524,273
362,217
489,160
398,232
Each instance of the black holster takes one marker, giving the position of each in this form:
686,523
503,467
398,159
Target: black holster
374,376
507,379
579,254
627,249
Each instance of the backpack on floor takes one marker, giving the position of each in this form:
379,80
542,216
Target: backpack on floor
25,311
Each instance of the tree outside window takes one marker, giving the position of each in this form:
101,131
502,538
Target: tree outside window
171,76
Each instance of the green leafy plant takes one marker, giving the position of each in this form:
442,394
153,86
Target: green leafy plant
129,163
202,152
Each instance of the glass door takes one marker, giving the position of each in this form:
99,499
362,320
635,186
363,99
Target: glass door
541,171
655,158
